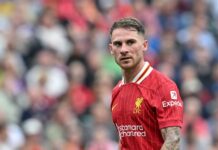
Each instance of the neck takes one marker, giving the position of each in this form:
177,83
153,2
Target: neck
129,74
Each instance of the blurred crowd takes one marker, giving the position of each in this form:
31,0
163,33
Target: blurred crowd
56,72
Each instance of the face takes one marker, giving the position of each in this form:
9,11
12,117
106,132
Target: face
128,46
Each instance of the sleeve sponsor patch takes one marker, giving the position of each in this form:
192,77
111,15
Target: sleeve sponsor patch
173,101
173,95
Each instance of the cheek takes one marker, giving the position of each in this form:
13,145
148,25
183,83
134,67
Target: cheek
114,52
137,53
136,49
116,55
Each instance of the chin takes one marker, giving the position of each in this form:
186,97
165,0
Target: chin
126,66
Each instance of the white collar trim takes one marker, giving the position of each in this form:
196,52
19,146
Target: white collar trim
143,73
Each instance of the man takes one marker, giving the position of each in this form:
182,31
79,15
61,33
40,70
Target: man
146,106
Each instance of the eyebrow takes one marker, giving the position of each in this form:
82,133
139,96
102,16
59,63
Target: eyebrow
131,40
114,42
127,40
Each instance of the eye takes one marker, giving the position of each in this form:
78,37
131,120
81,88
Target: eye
117,44
130,42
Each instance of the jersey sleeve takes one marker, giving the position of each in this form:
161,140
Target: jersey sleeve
170,106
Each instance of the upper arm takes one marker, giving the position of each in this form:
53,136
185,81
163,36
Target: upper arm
170,106
171,136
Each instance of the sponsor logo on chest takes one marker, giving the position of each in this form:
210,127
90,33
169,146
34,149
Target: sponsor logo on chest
131,130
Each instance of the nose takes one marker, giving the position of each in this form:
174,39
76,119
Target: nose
124,49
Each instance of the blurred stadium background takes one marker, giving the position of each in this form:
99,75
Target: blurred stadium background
56,74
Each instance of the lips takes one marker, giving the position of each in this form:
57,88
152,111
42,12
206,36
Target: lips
125,58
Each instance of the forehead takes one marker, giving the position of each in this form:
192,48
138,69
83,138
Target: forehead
121,34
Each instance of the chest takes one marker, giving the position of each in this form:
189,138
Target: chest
132,102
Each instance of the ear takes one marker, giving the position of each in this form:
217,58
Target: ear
110,48
145,44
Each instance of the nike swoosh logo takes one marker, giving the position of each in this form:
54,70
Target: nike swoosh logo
113,107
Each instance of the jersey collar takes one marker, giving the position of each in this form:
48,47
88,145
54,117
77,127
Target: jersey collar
143,73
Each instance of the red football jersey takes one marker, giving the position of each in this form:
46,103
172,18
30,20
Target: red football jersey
144,106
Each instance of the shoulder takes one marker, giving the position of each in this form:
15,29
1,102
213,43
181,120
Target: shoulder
165,83
116,88
162,78
156,80
161,86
